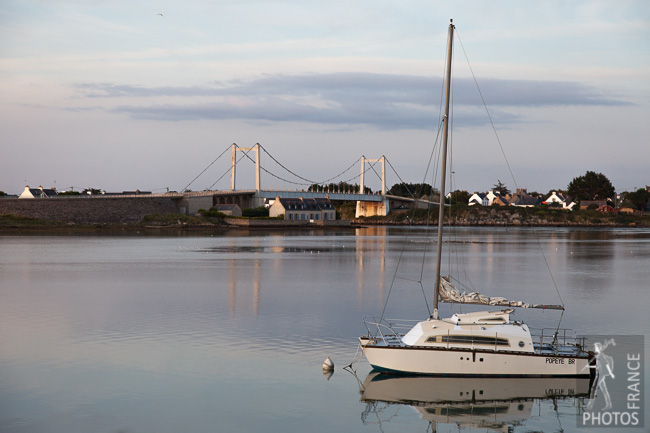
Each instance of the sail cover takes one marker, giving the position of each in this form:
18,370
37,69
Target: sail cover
449,293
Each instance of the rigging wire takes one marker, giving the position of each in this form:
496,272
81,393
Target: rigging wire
453,246
436,149
510,170
454,250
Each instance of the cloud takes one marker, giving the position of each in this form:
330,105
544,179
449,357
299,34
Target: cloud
382,100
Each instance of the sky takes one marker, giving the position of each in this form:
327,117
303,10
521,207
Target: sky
124,95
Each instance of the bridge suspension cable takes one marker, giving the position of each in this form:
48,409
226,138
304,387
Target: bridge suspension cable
204,170
311,182
272,174
307,182
372,166
245,155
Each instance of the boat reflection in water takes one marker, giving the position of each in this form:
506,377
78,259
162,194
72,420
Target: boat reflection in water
492,403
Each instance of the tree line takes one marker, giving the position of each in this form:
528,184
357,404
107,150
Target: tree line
590,186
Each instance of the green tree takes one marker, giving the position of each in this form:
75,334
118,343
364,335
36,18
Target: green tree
638,198
458,197
591,186
92,191
416,190
255,212
501,188
629,204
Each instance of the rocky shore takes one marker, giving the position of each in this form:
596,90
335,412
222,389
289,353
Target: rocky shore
537,217
13,225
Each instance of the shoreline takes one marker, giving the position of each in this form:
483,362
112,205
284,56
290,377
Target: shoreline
11,223
224,227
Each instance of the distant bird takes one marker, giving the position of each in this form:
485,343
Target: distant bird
160,15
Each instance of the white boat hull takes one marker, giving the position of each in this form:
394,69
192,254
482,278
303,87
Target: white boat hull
467,362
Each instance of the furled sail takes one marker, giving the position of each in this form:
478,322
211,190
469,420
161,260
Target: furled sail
449,293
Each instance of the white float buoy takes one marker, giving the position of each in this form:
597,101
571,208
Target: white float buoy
328,365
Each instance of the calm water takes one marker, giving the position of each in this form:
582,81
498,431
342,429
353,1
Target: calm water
227,332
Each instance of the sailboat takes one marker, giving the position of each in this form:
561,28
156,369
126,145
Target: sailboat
483,343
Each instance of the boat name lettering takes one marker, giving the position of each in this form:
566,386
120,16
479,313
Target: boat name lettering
560,391
555,360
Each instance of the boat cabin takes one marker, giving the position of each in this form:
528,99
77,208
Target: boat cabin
482,330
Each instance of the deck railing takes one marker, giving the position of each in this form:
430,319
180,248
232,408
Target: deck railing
555,339
388,330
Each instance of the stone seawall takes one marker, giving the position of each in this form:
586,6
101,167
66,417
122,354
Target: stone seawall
92,210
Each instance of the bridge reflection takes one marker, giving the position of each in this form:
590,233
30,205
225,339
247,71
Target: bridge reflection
267,266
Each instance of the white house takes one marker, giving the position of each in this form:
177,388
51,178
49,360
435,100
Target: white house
492,195
484,199
39,192
560,198
303,209
479,198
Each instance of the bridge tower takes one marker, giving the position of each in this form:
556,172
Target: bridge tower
233,164
257,199
366,208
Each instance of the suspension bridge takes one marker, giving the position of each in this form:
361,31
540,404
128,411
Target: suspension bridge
337,188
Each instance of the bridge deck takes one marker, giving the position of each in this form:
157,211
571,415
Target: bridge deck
271,194
331,195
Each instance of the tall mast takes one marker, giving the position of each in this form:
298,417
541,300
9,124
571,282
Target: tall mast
443,175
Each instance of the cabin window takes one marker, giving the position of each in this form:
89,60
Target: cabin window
493,319
469,339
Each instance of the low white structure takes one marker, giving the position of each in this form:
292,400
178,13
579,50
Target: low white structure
303,209
228,209
39,192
